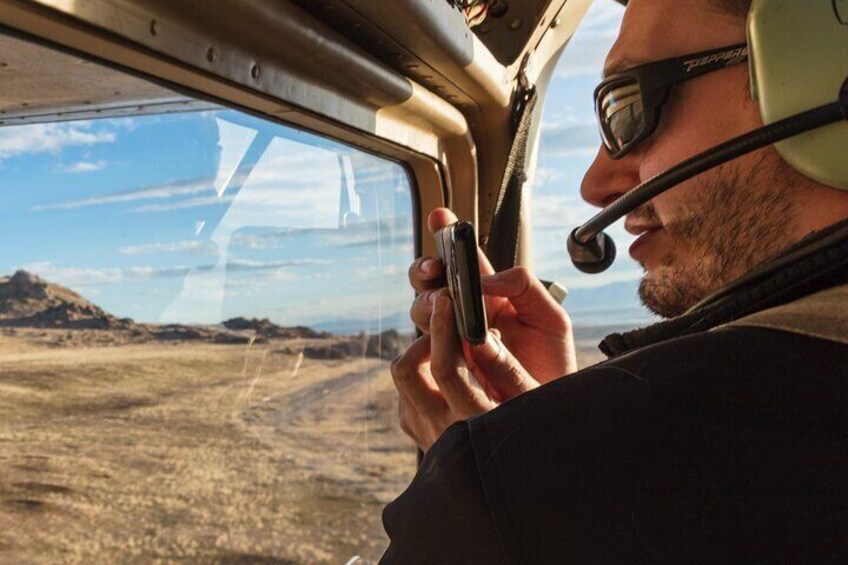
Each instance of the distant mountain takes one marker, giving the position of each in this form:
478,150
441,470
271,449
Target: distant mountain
267,328
27,300
351,326
612,304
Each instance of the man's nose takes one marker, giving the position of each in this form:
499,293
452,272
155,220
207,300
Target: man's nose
608,179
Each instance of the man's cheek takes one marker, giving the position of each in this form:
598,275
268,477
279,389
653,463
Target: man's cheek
682,204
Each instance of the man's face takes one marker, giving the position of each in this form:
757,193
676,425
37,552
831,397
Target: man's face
702,234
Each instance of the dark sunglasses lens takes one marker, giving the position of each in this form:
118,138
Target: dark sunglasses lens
621,114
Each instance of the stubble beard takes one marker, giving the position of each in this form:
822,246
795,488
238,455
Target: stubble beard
740,219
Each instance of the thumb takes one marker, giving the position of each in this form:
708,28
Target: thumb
500,368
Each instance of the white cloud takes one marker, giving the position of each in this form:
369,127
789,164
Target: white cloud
83,167
171,247
588,49
81,277
73,276
602,16
545,176
575,139
198,202
162,191
49,138
559,212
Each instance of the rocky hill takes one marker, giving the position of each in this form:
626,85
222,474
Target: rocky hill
29,302
268,329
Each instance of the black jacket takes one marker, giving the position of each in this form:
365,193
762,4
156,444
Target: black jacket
694,443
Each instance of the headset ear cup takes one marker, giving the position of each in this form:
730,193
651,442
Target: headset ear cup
799,60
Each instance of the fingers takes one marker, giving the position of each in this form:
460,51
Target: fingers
439,218
531,300
422,309
424,431
460,389
426,273
409,373
501,369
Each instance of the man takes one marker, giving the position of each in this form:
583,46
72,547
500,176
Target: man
698,441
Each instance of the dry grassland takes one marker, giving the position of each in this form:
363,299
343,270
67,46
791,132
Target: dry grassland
194,453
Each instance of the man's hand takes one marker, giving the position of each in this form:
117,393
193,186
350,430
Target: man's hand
442,380
532,325
438,387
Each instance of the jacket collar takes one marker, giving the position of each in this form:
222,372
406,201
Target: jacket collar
817,262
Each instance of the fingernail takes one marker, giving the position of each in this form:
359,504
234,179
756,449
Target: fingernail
491,279
489,349
427,265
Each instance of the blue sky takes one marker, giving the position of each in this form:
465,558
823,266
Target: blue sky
145,217
569,142
137,215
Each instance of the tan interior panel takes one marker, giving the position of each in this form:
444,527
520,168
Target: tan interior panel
41,85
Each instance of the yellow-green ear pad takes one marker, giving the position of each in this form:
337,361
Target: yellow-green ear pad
799,60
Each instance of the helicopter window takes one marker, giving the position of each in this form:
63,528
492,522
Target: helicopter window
197,312
569,143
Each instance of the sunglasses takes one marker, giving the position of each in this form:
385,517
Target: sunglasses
628,104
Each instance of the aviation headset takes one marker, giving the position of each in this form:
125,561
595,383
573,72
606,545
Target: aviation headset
799,75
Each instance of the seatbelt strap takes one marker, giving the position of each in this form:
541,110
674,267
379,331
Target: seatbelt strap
823,315
502,242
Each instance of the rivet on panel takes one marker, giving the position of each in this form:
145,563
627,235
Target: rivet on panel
154,27
498,9
255,71
516,24
555,23
211,55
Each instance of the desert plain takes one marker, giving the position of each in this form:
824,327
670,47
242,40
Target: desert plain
129,444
